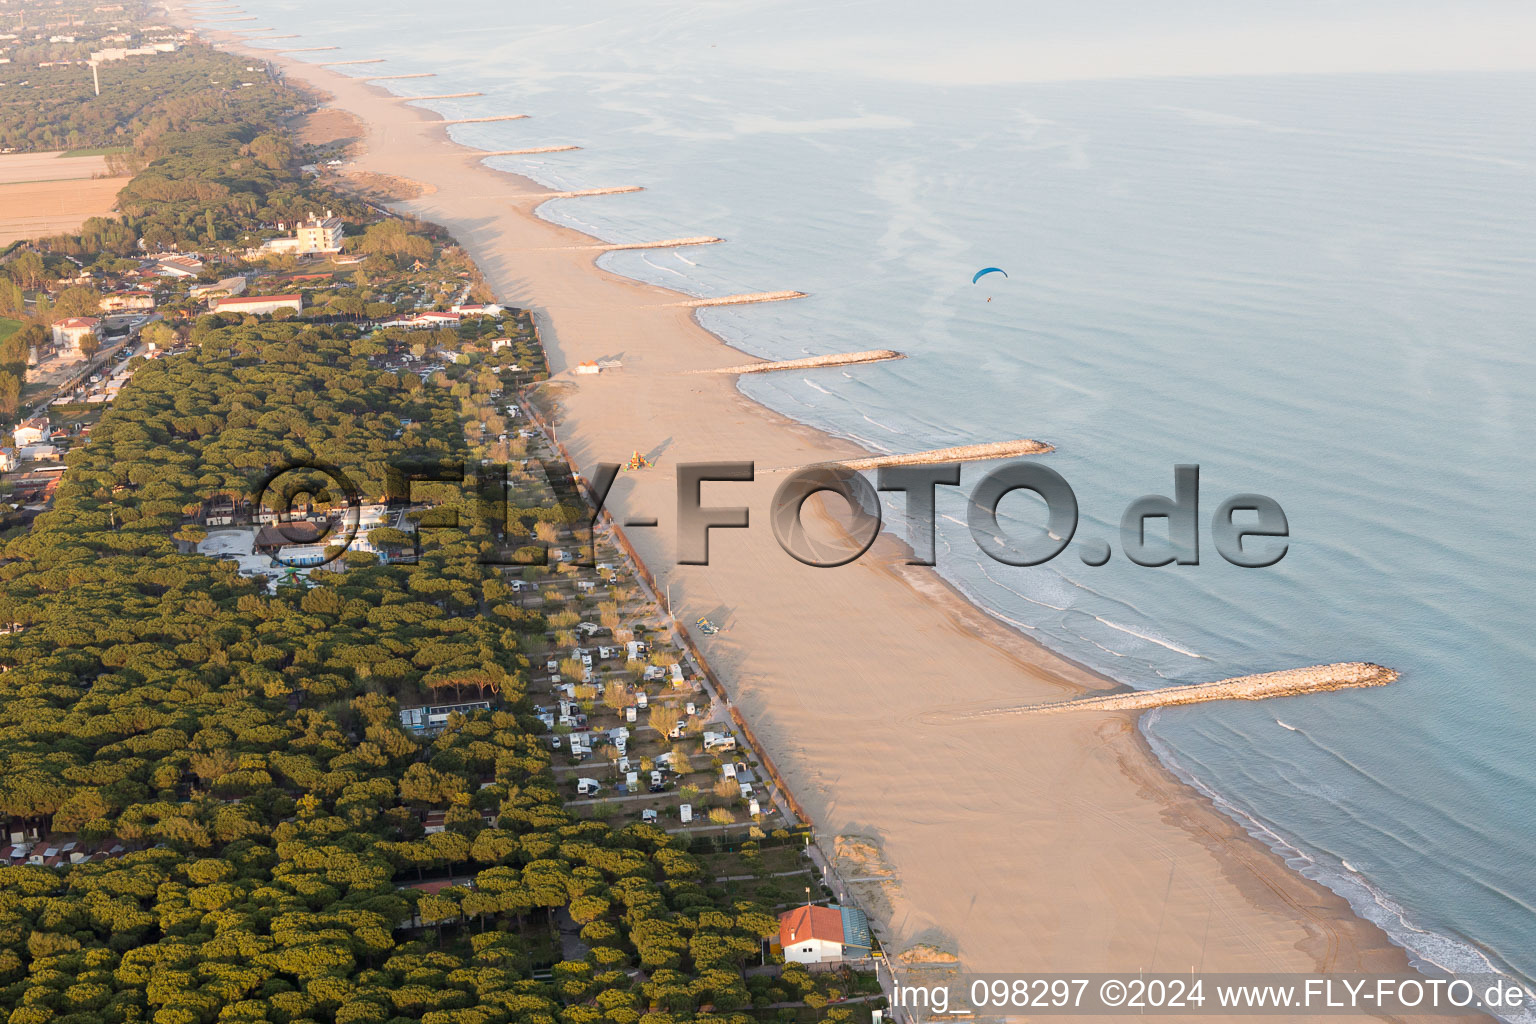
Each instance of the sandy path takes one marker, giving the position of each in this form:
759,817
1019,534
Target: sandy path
1050,844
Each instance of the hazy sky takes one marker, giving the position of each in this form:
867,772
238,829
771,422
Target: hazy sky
1010,40
976,41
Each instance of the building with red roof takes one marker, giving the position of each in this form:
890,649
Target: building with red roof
69,333
257,305
816,935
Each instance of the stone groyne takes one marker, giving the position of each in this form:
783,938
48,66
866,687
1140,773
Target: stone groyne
739,300
524,152
612,190
665,243
344,63
392,78
310,49
959,453
878,355
439,96
1289,682
483,120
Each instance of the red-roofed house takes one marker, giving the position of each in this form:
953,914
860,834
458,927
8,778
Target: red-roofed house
68,334
33,431
257,305
811,935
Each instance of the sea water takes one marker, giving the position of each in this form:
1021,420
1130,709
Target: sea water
1320,288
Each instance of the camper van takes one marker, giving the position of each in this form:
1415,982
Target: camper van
690,710
648,816
641,700
719,741
746,792
728,770
629,713
685,813
657,783
677,674
587,787
754,810
552,666
632,781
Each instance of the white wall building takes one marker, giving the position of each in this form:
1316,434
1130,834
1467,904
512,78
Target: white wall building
818,935
257,305
33,431
316,235
68,334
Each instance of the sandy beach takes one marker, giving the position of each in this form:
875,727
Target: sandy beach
1025,844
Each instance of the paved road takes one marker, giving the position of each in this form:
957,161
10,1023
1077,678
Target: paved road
571,946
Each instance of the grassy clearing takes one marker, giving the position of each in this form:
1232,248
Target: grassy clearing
95,151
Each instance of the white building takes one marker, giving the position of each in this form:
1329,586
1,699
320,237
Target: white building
226,288
68,334
257,305
178,266
432,718
299,556
123,53
818,935
128,300
29,432
316,235
40,453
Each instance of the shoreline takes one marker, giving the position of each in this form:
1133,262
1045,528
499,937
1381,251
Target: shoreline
1324,930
